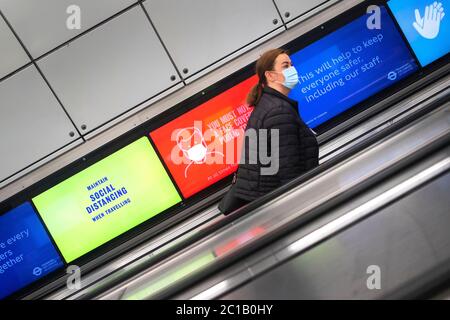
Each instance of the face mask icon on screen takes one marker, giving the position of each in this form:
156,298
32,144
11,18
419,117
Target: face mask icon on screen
191,141
429,25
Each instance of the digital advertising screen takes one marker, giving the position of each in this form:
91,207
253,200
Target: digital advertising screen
26,251
348,66
203,145
106,199
425,25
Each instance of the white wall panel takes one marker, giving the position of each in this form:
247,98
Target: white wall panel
198,33
12,55
41,24
291,9
32,123
106,72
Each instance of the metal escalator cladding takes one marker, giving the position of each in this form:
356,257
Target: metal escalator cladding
229,246
194,265
155,285
404,240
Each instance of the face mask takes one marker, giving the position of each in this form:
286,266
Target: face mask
197,153
290,78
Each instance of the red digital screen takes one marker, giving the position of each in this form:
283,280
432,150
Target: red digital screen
203,145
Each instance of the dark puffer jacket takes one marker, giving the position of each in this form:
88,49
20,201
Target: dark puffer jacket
298,147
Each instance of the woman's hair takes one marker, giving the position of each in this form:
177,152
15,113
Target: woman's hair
265,63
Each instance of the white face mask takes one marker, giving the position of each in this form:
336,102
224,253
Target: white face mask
197,153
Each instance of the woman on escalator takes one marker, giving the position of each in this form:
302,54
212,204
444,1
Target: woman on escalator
274,111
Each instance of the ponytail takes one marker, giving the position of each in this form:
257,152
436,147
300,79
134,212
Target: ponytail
254,95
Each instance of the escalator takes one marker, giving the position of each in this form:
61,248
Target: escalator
202,265
405,244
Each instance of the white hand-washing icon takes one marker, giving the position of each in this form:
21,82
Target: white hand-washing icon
428,26
196,153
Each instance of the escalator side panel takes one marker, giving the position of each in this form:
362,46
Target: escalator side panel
405,240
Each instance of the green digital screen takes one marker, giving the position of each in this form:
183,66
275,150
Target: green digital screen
107,199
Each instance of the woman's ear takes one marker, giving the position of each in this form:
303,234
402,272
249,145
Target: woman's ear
270,76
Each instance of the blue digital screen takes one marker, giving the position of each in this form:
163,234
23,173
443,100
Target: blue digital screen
349,65
26,252
425,25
